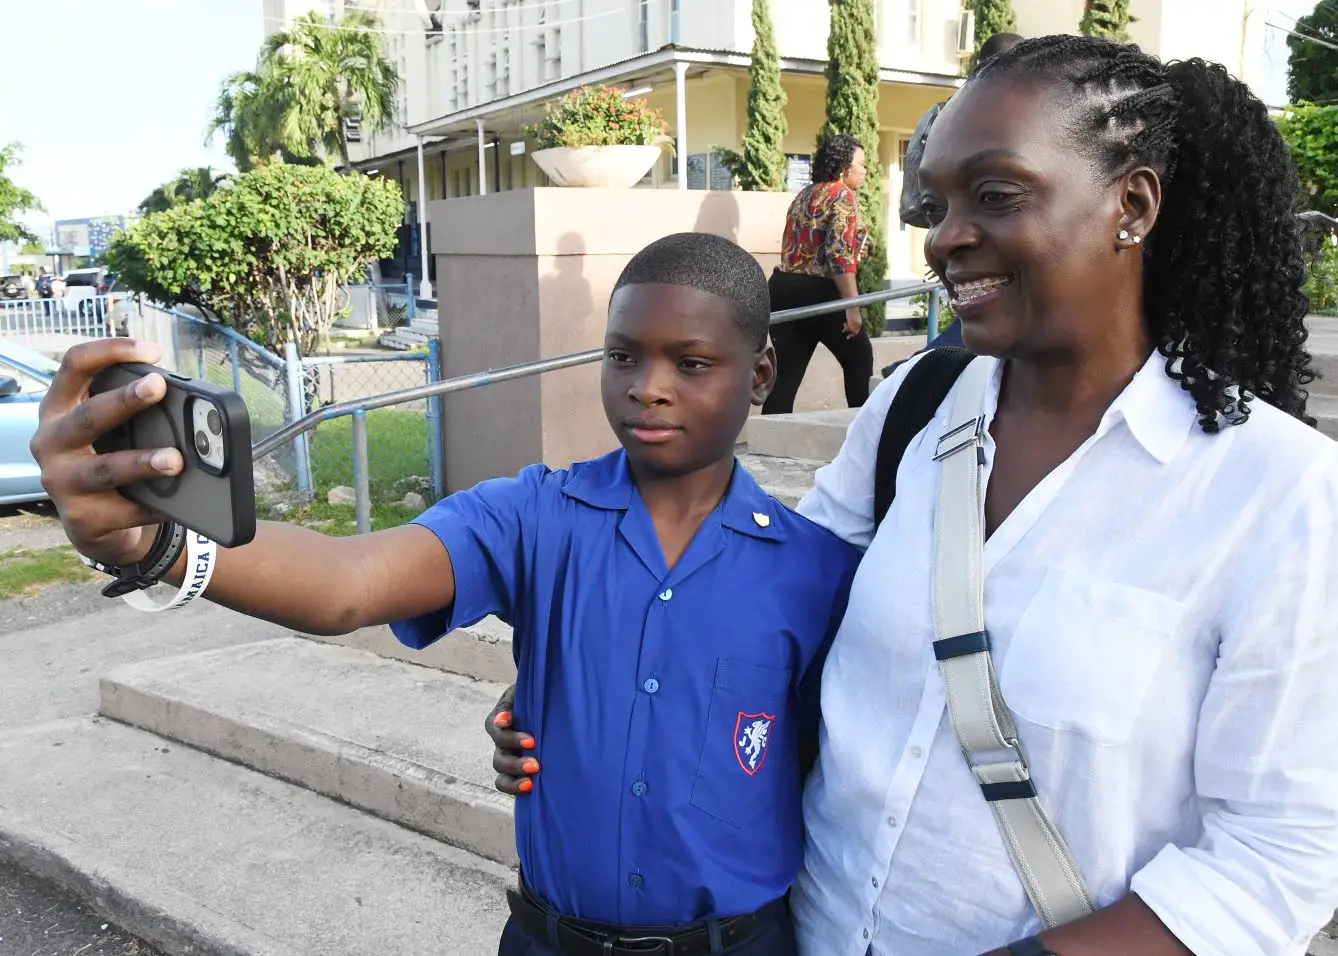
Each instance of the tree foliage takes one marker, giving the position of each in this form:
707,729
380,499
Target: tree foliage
764,163
14,199
272,253
852,107
992,16
1312,67
187,186
307,82
598,116
1106,18
1311,133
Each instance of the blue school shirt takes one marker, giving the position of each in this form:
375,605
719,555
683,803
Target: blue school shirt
666,705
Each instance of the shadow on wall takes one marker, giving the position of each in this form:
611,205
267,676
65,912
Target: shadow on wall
719,215
566,286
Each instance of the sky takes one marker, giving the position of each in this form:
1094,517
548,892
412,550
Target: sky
110,98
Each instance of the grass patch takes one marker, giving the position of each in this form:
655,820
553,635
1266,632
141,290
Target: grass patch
338,519
396,449
24,573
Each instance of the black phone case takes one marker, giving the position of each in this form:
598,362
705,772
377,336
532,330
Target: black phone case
220,506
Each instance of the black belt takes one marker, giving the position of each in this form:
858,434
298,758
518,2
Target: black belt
579,938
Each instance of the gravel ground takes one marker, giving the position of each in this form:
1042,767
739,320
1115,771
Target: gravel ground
37,919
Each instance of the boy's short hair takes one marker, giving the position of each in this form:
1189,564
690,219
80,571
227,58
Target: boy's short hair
711,264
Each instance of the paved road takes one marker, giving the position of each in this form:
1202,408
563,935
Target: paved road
37,919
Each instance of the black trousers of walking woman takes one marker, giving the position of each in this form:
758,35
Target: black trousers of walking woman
796,341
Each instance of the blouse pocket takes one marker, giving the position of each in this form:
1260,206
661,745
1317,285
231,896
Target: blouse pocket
1084,654
737,771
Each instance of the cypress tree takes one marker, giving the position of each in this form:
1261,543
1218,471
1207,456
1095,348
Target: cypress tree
992,16
764,162
1106,18
852,107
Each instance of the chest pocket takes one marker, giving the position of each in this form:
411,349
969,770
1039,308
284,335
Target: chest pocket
1084,654
747,742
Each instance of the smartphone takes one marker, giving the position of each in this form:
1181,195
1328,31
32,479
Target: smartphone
215,492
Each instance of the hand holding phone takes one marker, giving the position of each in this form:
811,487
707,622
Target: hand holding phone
85,472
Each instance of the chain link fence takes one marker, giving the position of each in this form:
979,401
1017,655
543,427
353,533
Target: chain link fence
403,449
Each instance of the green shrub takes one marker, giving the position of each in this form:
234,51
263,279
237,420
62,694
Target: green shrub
1322,286
599,116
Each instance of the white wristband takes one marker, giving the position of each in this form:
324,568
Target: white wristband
200,555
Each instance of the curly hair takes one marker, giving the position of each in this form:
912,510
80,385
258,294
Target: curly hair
1224,266
835,154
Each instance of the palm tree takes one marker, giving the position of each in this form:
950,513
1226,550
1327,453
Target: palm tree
189,185
248,114
324,73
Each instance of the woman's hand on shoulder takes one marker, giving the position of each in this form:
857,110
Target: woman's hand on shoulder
515,767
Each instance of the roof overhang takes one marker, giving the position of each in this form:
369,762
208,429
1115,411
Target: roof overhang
646,69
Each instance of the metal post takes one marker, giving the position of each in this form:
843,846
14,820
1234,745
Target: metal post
236,366
681,134
483,161
409,296
176,345
199,352
436,460
425,289
931,331
361,481
292,363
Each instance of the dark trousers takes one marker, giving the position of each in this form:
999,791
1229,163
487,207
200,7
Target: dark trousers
775,939
795,342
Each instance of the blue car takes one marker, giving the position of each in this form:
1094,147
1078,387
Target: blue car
24,378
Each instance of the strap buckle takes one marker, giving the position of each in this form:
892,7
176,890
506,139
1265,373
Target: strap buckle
665,942
1011,752
976,436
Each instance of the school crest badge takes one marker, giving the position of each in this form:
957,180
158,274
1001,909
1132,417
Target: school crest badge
752,734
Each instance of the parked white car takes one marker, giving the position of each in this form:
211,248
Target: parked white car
25,377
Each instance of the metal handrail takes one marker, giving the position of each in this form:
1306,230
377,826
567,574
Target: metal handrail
509,373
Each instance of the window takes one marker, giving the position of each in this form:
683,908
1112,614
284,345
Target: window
910,24
643,24
553,56
674,21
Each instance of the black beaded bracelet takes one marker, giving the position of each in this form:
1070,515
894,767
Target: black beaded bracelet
168,544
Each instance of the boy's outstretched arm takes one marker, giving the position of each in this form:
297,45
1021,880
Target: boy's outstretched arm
289,575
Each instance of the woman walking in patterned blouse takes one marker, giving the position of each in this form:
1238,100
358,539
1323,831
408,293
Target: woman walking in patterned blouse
824,238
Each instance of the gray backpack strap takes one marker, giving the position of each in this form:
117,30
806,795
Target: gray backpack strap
979,715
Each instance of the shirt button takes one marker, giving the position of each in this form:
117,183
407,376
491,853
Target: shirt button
875,882
639,788
892,821
866,934
635,881
917,753
666,594
651,685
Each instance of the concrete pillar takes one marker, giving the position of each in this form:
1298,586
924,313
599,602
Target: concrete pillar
483,161
424,287
681,137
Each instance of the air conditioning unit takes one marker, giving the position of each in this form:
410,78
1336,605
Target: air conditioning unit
966,33
353,129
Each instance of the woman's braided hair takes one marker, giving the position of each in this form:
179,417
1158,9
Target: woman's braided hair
1224,266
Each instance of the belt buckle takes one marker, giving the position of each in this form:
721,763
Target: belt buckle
665,942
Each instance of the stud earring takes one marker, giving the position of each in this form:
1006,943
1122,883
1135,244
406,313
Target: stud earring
1137,239
1122,235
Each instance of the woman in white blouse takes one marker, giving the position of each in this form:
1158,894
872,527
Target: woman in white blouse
1161,568
1161,562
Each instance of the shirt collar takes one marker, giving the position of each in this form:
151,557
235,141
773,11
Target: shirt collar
607,483
1157,411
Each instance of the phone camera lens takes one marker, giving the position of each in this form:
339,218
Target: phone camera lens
202,444
214,422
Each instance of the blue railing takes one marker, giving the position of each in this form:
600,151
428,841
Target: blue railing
91,316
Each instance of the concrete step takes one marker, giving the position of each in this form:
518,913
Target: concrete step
482,651
405,743
402,340
806,436
424,325
202,857
785,479
1324,408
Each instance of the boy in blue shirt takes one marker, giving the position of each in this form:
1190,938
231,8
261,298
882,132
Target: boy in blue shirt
670,619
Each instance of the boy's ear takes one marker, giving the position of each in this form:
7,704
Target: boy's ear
764,373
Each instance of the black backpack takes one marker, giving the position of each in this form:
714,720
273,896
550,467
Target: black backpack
923,390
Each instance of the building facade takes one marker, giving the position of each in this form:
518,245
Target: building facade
476,72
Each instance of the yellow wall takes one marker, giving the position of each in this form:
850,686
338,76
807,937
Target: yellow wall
717,105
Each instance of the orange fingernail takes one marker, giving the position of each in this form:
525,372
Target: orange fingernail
530,766
527,743
525,786
502,720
